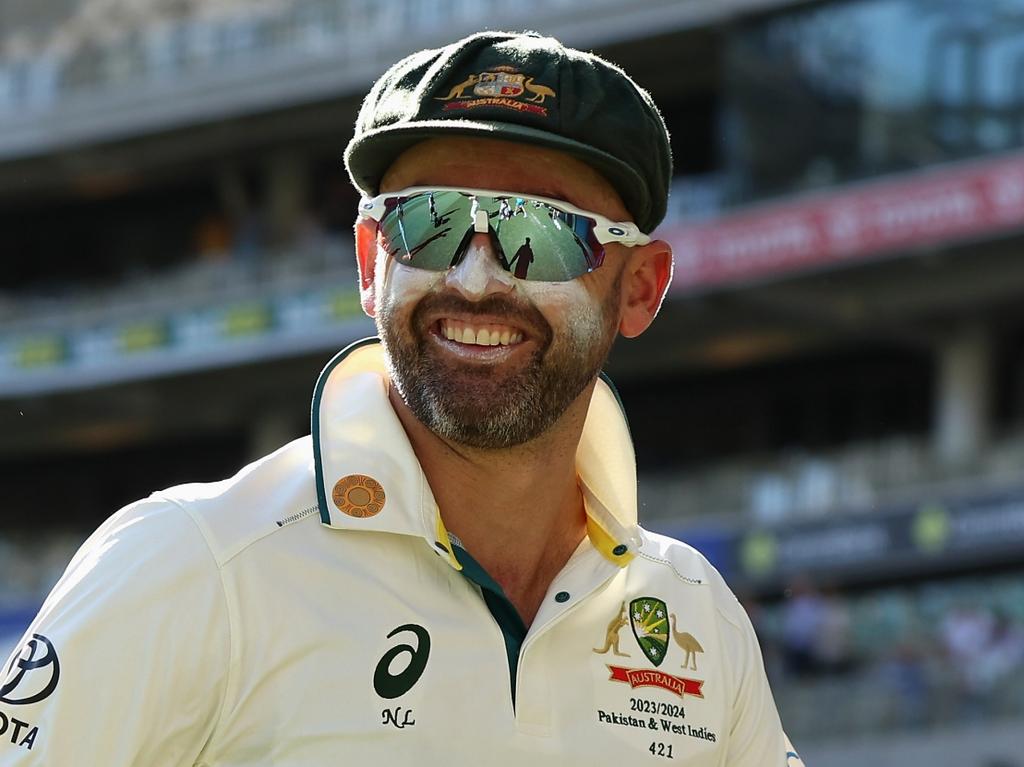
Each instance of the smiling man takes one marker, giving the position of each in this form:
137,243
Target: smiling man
449,570
492,376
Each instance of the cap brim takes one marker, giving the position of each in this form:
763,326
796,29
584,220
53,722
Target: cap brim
369,156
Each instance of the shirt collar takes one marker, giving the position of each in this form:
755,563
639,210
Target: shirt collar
368,477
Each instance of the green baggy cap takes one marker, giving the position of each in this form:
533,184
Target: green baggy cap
519,87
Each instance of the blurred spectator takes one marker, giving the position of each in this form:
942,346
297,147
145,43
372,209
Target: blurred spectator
770,651
1001,656
802,621
905,685
832,647
816,486
213,237
966,633
771,498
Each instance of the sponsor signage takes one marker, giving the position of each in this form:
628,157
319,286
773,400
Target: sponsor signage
114,344
932,535
939,205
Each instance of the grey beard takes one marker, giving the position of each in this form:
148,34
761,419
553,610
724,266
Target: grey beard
470,406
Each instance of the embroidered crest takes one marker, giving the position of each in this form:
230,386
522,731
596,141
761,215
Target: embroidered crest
688,644
651,623
644,677
611,636
649,619
501,86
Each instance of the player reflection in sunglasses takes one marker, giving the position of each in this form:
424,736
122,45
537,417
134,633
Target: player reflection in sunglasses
550,240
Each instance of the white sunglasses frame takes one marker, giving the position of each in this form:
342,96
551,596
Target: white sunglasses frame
605,230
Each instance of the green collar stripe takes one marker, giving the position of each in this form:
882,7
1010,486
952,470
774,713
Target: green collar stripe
513,630
318,393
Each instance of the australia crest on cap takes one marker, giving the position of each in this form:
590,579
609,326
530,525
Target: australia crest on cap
501,86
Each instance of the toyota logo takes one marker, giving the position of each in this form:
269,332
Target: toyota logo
32,674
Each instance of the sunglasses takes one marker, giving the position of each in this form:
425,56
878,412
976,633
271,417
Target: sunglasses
535,238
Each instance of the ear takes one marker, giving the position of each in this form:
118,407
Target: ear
366,260
645,281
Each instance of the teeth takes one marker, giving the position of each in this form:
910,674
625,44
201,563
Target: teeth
484,336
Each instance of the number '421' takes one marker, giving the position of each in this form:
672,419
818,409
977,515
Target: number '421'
661,749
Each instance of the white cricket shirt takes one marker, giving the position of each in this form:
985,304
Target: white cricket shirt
312,611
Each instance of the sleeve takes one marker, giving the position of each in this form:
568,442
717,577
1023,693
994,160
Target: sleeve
126,663
756,737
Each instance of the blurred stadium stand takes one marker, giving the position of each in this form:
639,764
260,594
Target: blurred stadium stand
831,406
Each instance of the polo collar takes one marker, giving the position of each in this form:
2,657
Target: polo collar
368,477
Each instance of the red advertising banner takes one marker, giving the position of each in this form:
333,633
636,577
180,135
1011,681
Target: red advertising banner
929,207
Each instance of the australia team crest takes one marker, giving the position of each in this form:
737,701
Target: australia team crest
648,618
501,86
655,631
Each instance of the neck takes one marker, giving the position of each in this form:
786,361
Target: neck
518,511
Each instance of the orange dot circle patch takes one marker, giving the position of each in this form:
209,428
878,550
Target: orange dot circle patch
358,495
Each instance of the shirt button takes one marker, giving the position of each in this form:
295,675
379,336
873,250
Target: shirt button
562,596
620,549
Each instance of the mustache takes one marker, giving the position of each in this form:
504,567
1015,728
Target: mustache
524,314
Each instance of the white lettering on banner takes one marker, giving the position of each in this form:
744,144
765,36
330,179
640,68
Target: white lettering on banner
844,544
945,211
995,523
767,245
844,224
1008,192
860,222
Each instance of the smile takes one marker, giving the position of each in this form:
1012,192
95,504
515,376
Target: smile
479,335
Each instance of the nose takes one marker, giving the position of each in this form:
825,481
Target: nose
479,274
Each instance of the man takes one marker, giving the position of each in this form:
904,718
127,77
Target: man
425,580
522,260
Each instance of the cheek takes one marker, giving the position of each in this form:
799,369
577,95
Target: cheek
555,293
569,306
402,284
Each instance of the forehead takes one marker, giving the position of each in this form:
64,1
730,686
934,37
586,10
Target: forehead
507,166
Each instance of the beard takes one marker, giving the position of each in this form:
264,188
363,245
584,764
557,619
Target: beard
485,406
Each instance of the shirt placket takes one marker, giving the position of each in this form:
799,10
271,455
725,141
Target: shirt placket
582,577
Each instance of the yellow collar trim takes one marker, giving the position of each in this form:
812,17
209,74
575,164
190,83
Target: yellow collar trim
607,544
442,537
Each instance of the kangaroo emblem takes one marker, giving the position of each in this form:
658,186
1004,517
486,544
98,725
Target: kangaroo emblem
688,644
611,637
457,91
540,92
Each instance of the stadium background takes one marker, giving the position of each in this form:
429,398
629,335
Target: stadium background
831,406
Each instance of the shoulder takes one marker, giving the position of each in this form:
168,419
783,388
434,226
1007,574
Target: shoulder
711,604
177,541
690,566
257,501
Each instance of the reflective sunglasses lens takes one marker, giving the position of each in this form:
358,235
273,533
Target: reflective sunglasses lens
425,230
542,243
430,230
